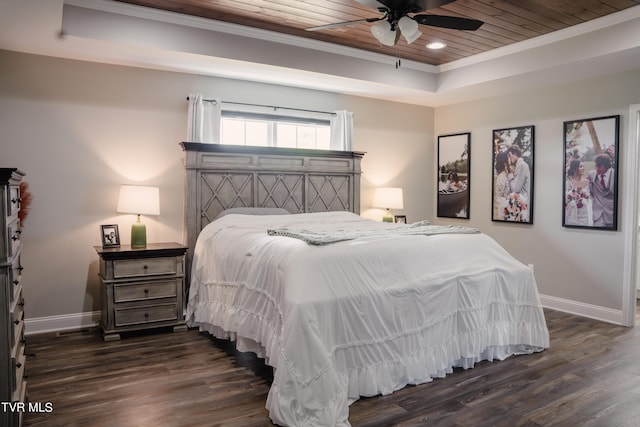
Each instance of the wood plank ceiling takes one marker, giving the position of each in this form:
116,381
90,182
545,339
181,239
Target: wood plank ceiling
505,21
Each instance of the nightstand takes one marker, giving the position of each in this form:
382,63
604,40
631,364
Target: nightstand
141,288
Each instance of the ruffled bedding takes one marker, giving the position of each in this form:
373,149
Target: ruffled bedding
360,317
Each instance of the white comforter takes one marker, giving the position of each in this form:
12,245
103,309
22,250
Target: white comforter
359,317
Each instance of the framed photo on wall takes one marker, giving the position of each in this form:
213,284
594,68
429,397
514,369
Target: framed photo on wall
512,187
590,184
110,236
454,175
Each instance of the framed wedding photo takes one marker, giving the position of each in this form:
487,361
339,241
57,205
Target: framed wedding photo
590,178
110,236
454,175
512,186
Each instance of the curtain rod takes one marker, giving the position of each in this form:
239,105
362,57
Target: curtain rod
269,106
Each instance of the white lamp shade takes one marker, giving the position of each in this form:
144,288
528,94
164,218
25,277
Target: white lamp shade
139,200
388,198
409,29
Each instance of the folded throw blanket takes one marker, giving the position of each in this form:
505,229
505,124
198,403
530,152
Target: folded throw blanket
326,237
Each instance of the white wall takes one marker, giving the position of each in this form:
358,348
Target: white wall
581,266
81,129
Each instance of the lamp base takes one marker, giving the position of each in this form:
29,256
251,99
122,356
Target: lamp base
138,235
387,217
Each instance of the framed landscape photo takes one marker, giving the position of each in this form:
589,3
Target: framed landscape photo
400,219
590,184
454,175
512,186
110,236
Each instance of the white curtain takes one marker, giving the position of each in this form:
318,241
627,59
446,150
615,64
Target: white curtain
203,122
342,130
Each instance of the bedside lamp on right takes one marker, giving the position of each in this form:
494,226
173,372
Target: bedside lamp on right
388,198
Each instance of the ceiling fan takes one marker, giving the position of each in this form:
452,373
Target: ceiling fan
395,20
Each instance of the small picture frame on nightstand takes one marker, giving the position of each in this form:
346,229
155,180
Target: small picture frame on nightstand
400,219
110,236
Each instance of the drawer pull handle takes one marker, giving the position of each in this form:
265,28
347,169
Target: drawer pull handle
17,322
16,282
19,231
18,365
145,266
14,237
146,315
16,200
146,292
21,303
20,269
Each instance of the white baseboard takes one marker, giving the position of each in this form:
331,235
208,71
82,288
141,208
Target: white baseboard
76,321
63,322
581,309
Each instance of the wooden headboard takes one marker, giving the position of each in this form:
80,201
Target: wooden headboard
220,177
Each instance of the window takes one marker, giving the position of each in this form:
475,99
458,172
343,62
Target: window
271,130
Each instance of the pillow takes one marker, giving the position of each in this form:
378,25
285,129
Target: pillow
253,211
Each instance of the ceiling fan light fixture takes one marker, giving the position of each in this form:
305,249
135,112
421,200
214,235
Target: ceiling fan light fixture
383,32
436,45
409,29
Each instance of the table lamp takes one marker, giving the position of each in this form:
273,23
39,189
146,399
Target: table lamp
388,198
139,200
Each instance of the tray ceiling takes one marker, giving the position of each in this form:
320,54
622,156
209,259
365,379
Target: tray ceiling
505,22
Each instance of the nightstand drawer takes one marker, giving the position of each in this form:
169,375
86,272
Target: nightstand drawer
143,291
144,267
149,314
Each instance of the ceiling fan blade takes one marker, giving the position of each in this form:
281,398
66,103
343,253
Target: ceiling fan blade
432,4
344,24
413,6
372,4
452,22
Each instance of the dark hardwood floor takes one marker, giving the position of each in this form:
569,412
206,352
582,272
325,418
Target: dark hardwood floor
589,377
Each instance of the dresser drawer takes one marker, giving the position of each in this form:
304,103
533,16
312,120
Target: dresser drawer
144,267
17,369
13,234
15,279
16,317
150,314
144,291
14,200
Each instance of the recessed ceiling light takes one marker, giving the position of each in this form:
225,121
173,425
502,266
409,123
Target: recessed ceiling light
436,45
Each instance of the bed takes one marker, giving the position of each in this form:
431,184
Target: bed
339,305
